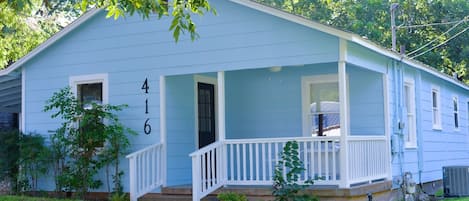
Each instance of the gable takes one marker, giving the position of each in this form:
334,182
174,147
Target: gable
239,37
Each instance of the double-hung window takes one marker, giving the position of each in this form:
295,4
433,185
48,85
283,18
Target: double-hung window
456,112
89,90
409,108
436,113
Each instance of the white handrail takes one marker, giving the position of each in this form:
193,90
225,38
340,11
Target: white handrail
207,169
145,169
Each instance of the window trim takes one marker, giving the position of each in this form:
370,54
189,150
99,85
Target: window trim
409,82
315,79
74,81
456,122
436,125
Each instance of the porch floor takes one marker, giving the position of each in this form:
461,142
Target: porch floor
381,191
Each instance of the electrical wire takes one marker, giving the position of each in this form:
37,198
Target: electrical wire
450,29
431,24
444,42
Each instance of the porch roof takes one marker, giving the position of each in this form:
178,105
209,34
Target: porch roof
10,93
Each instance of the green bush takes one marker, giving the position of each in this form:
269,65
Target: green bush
9,155
287,187
231,196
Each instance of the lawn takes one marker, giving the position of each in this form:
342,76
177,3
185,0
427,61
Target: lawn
457,199
25,198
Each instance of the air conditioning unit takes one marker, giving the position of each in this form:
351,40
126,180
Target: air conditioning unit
456,181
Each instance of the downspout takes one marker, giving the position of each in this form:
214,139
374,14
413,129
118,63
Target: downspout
418,85
397,138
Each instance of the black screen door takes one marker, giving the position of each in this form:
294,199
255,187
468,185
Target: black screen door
206,116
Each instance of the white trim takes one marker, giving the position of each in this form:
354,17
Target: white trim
387,124
83,18
206,80
220,102
456,98
410,115
163,128
305,82
344,127
88,79
436,125
23,101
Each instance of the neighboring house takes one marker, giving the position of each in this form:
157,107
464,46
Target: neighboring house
218,109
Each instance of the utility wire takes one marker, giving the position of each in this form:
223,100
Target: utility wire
444,42
432,24
450,29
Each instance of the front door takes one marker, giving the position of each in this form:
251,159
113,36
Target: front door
206,113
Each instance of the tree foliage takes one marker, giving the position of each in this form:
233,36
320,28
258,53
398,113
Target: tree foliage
371,19
24,24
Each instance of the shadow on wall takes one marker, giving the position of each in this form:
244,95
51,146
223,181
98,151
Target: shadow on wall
8,121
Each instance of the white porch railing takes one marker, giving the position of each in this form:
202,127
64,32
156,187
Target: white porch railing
368,158
145,170
207,170
253,161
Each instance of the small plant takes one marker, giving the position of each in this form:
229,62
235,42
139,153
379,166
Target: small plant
287,187
231,196
119,197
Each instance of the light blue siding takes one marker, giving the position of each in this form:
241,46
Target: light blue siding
366,102
131,50
267,104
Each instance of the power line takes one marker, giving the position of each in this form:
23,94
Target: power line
444,42
450,29
432,24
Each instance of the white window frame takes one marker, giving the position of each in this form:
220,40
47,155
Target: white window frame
305,82
436,111
411,138
456,113
74,81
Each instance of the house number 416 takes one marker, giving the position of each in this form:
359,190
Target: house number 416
146,125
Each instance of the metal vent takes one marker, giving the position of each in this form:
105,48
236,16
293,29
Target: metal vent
456,181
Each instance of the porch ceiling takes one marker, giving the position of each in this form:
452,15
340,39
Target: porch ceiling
10,93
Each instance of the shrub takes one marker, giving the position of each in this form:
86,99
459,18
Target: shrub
288,188
231,196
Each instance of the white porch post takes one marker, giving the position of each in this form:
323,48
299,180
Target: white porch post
221,120
163,128
344,177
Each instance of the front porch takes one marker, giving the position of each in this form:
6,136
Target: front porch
337,116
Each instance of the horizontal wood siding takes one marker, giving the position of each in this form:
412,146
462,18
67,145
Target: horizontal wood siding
130,50
263,104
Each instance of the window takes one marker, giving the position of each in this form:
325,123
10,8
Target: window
321,116
456,112
436,108
410,132
90,88
90,93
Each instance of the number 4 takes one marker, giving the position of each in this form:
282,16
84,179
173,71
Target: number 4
145,86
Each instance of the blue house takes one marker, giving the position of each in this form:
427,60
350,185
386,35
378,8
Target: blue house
218,110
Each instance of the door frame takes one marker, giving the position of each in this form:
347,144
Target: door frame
206,80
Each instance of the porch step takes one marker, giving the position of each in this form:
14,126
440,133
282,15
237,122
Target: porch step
381,192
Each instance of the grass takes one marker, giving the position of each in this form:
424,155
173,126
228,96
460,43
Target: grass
26,198
457,199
